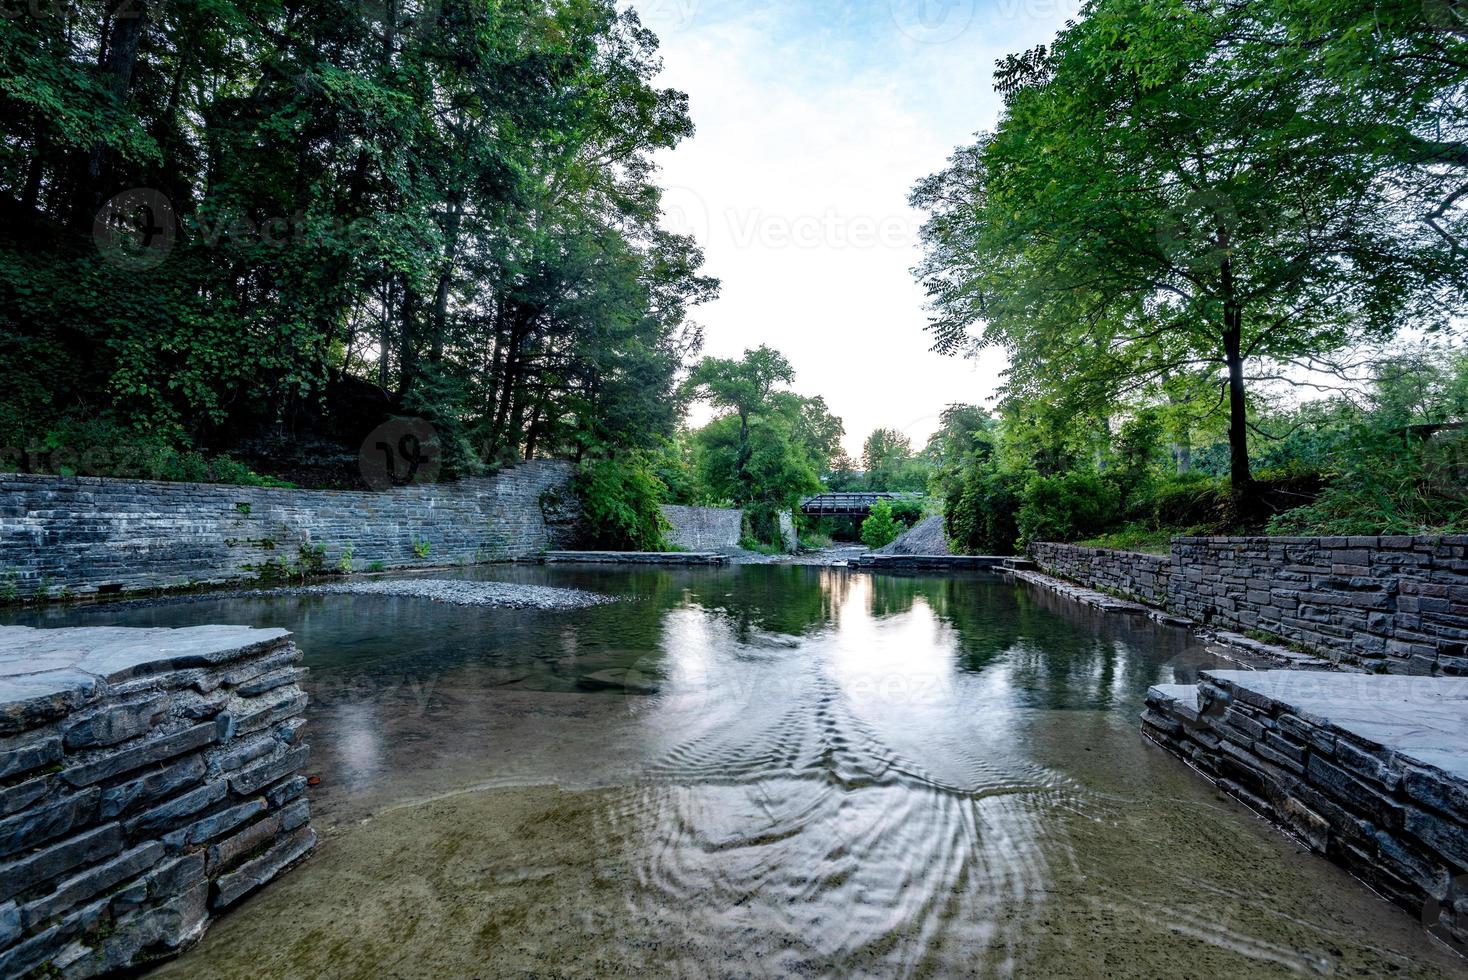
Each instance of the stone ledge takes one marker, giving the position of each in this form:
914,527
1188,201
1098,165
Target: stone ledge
1370,771
143,775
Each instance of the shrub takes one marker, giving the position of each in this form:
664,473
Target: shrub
1067,507
979,515
1184,501
620,500
881,528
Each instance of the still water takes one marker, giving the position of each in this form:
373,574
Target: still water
767,770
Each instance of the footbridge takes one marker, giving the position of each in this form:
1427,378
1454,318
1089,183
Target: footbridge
848,504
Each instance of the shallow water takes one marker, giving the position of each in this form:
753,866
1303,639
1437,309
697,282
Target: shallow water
768,771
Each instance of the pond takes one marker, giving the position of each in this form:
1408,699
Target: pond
766,770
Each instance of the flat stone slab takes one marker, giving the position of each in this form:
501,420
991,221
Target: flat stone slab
50,663
1421,718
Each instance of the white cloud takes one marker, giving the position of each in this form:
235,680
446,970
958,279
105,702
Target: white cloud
814,121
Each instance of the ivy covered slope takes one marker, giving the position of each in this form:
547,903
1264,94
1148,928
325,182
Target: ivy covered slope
252,225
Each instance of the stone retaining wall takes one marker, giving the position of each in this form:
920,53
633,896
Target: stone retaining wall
1368,771
1139,576
149,778
1390,604
703,528
80,535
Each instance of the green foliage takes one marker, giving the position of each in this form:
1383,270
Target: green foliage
422,547
312,560
1067,507
344,561
620,499
880,528
454,203
1173,200
103,447
770,447
981,514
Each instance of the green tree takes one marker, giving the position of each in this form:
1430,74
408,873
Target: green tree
880,528
1154,201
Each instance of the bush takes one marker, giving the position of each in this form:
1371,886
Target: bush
907,510
620,501
102,447
979,517
1389,483
1184,501
881,528
1068,507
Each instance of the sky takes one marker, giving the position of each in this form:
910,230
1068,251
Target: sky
815,118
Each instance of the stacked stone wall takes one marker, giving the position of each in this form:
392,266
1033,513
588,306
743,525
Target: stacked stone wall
1394,604
1396,822
148,780
83,535
1135,575
703,528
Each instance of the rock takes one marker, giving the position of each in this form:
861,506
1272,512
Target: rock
616,680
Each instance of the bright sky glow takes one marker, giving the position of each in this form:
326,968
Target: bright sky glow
814,121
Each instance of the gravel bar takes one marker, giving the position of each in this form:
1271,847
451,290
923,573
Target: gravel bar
459,592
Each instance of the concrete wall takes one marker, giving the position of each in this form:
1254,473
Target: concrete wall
703,528
1392,603
149,778
88,534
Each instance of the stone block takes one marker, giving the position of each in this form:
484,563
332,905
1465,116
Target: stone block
260,775
1374,804
144,753
35,826
1446,837
29,756
117,800
234,885
92,881
38,867
222,822
114,723
166,816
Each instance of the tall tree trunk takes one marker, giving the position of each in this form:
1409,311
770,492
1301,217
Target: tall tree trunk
1240,480
119,58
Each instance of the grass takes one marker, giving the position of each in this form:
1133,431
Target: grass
1145,540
